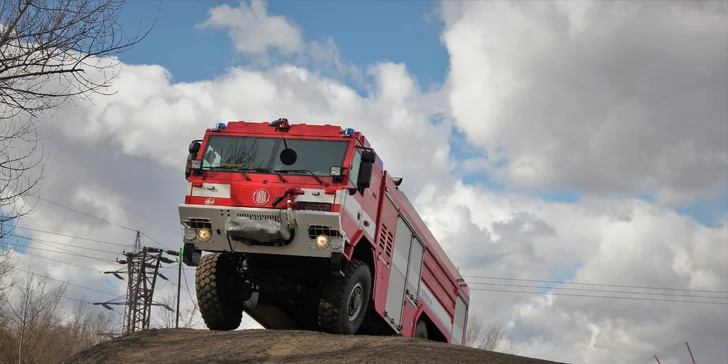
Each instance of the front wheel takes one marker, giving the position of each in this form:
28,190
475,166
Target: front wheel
345,300
217,292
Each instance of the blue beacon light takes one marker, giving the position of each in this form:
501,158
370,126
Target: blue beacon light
348,132
219,126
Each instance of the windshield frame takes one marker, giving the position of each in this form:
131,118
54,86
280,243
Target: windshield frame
273,160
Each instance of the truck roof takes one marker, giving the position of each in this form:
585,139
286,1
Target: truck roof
262,127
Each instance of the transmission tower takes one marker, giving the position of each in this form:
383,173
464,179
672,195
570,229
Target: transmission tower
142,268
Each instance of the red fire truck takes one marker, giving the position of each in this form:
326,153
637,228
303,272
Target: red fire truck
306,230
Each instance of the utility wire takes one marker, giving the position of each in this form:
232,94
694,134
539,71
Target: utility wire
100,219
64,282
597,284
600,290
46,242
85,214
63,262
594,296
64,252
71,236
187,287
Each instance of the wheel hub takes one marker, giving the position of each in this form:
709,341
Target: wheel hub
355,301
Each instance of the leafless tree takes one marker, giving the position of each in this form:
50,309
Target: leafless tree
188,317
494,339
50,51
37,328
36,310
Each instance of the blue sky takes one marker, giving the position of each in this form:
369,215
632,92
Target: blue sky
404,31
400,34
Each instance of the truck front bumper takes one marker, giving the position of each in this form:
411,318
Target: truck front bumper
259,231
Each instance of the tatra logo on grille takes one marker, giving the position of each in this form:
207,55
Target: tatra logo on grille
210,201
261,197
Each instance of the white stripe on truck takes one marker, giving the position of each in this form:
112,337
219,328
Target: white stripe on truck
214,190
434,305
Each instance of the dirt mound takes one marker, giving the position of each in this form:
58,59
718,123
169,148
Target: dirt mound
290,347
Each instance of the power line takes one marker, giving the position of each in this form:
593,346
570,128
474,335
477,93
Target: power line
70,236
98,218
596,284
64,252
600,290
594,296
187,288
60,281
63,262
84,214
46,242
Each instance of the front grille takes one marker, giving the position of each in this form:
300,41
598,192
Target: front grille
197,223
316,230
313,206
259,216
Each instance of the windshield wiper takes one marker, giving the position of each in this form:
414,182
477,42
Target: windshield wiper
243,170
326,184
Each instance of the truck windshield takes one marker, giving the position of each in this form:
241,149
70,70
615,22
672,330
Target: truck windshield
231,153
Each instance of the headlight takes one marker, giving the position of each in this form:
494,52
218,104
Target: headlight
322,241
190,234
335,171
203,234
196,164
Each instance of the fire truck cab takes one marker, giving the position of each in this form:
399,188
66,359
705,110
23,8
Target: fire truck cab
306,230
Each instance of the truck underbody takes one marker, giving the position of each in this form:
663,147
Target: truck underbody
287,293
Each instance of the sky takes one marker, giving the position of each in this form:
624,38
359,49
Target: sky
577,141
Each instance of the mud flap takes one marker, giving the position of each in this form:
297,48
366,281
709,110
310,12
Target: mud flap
256,230
190,255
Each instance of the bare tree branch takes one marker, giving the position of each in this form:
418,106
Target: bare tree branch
51,51
493,340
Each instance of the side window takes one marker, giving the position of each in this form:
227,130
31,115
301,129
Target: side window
355,163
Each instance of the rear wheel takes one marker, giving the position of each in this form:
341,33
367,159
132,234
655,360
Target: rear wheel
345,300
217,292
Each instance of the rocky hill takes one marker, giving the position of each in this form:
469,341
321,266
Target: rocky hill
290,347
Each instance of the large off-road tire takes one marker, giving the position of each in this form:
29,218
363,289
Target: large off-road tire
217,296
345,300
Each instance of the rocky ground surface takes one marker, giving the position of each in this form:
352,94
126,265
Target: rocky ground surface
290,347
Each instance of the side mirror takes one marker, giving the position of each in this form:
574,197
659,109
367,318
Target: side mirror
368,156
364,178
194,146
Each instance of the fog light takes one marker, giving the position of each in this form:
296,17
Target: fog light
337,242
190,234
203,235
322,241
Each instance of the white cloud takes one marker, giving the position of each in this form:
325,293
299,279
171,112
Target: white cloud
130,148
602,97
253,30
628,242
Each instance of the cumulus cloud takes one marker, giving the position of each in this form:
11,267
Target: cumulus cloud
602,97
629,243
128,151
252,30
